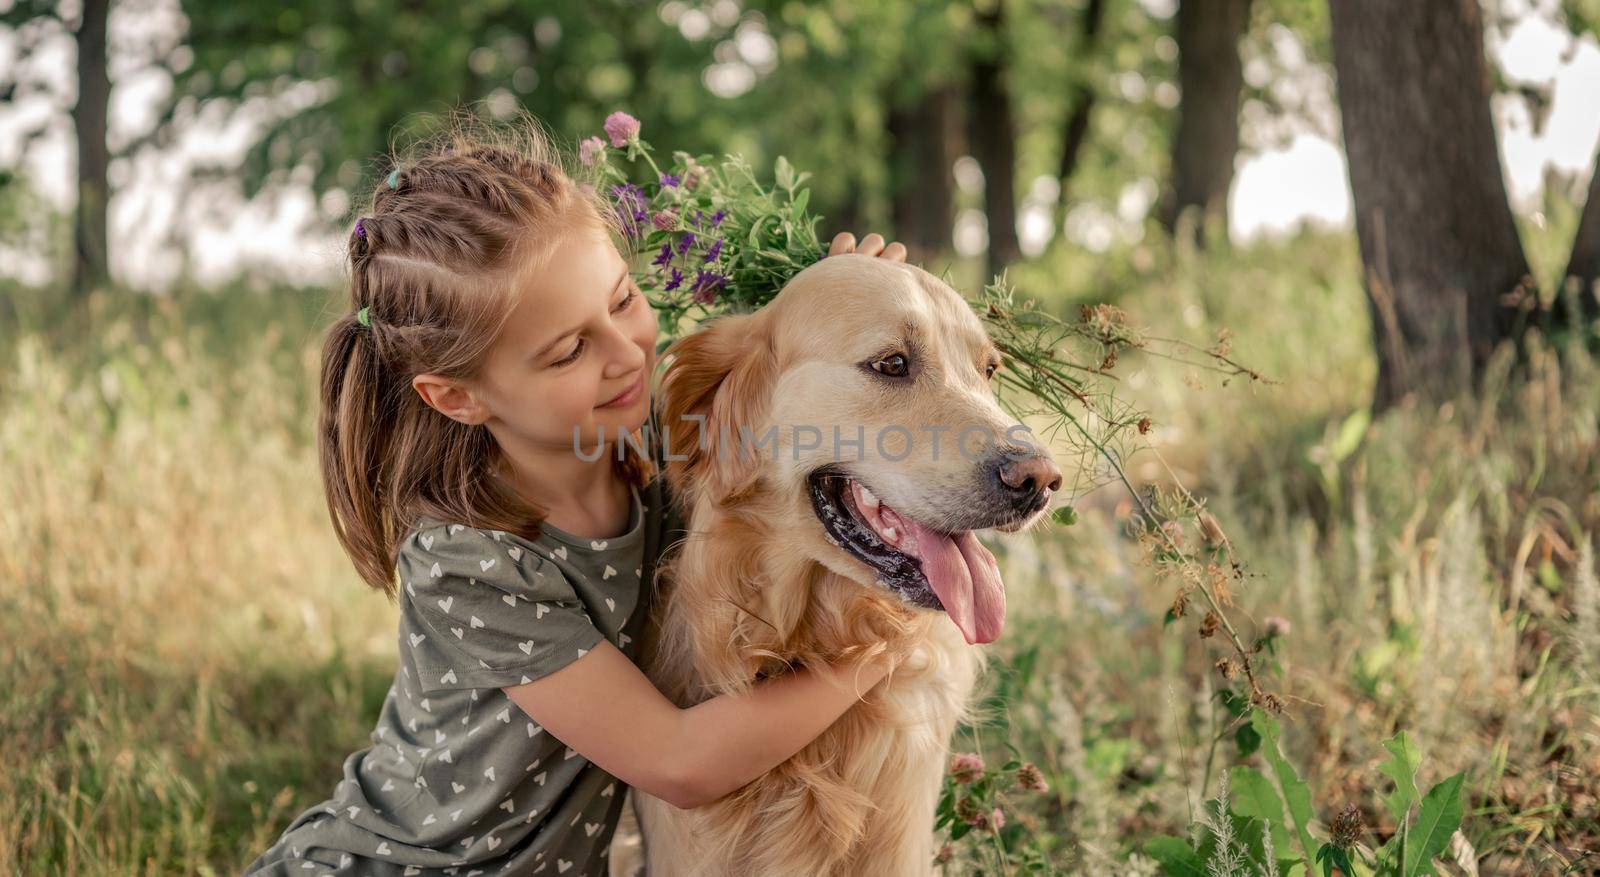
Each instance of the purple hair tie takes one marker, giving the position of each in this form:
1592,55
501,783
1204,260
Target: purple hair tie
361,231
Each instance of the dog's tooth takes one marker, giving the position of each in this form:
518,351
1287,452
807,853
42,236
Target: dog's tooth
867,496
890,534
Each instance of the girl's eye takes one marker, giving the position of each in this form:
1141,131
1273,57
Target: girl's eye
627,302
571,357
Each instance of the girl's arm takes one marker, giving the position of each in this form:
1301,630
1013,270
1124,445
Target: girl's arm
607,710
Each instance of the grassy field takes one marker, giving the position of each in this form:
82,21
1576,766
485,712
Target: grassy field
187,657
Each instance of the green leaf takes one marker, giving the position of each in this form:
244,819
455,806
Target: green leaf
1175,857
1066,516
1295,793
783,172
1402,769
1334,857
1253,795
1439,819
1247,740
1350,433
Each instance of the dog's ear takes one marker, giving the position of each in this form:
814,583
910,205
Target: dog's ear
718,381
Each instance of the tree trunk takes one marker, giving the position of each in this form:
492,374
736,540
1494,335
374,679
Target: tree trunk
92,255
1076,130
994,139
922,179
1436,233
1210,77
1583,267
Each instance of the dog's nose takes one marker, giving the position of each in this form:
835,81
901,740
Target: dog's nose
1026,473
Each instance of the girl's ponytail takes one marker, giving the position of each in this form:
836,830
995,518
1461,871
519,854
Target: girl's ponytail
351,433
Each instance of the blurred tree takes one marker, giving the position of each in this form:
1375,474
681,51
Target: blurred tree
86,21
925,138
326,87
1583,266
992,134
1081,99
1444,263
1210,77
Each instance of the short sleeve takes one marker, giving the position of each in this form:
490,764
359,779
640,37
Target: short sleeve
481,609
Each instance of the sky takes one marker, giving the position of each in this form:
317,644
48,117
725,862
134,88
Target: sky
1276,188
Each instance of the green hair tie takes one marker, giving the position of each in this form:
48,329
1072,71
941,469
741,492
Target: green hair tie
362,318
394,178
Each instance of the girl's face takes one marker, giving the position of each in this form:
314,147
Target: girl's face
574,361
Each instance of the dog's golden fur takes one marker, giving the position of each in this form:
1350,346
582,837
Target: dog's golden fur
757,588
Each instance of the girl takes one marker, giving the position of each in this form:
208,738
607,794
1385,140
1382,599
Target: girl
495,330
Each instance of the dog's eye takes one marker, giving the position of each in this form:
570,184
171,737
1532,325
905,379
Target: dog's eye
894,365
990,369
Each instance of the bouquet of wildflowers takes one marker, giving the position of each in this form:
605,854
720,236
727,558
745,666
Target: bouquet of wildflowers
716,239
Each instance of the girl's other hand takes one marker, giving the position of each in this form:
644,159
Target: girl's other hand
871,245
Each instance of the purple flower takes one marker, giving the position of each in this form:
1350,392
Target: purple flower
686,242
716,218
361,231
706,284
669,181
676,281
590,150
630,207
665,256
716,249
621,128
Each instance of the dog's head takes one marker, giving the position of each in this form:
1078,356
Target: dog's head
857,410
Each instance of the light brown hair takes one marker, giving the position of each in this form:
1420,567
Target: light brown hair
437,263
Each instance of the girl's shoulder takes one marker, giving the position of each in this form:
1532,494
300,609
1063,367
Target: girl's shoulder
452,548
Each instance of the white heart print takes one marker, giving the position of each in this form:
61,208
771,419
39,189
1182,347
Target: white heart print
598,544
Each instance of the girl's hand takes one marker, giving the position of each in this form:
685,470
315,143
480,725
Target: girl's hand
871,245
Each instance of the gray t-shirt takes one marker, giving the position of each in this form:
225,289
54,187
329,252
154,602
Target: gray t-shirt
459,780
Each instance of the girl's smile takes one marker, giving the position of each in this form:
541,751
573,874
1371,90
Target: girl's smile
627,397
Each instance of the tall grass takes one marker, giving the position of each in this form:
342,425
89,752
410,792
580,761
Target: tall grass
186,656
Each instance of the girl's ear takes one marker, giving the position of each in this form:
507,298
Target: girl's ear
450,399
715,394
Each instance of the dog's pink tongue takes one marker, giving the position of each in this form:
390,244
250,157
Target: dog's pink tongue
965,576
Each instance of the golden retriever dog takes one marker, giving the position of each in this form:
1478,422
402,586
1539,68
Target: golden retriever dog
833,454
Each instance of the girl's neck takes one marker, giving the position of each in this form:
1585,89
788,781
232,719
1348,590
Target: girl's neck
586,498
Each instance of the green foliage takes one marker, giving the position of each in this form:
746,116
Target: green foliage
1241,831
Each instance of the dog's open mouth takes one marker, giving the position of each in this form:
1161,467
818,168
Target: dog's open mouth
926,567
